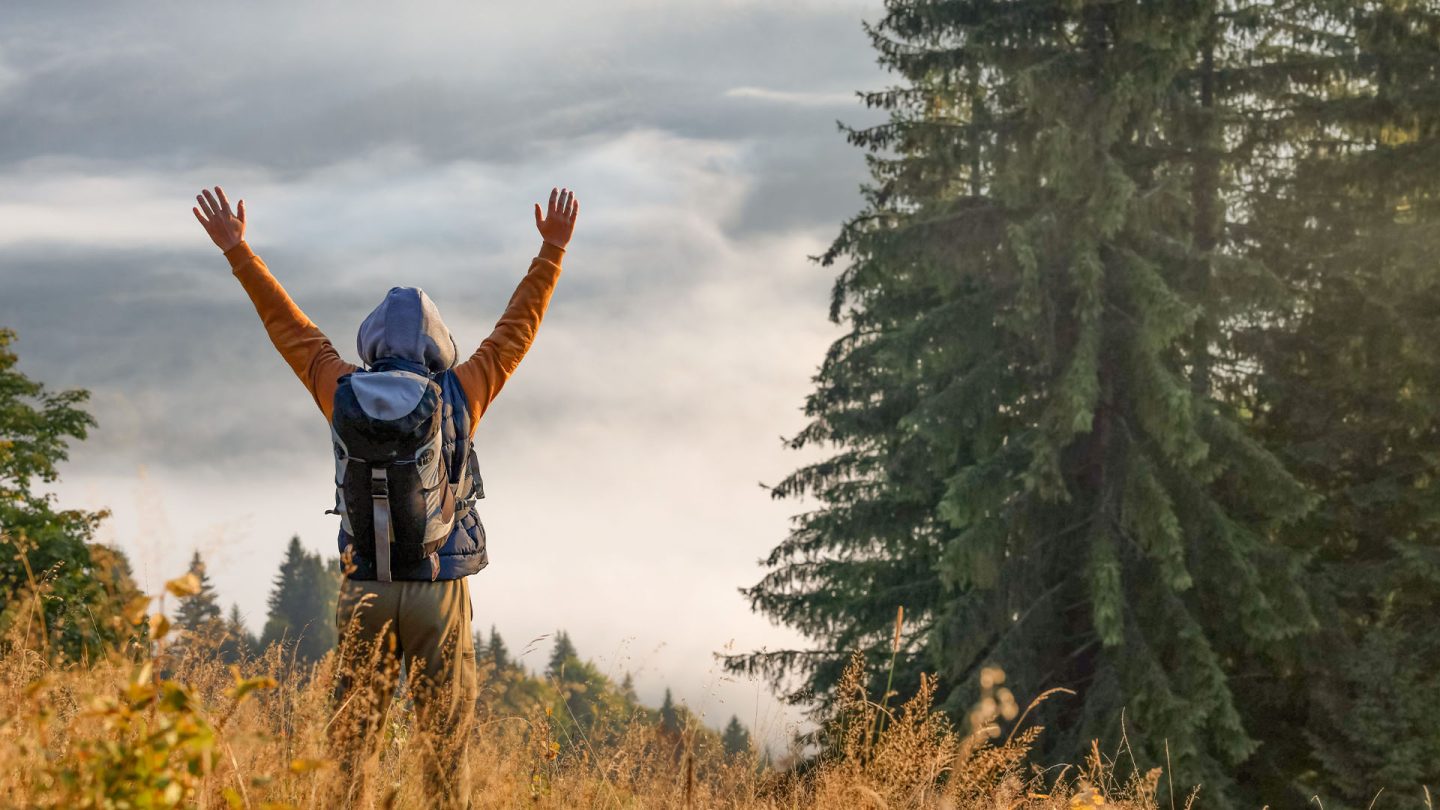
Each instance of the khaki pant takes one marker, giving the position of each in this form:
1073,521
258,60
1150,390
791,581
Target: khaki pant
425,626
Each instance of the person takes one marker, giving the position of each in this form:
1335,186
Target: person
421,616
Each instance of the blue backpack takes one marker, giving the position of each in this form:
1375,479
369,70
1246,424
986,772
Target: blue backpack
397,490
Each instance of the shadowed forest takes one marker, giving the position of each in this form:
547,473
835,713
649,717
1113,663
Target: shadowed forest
1124,490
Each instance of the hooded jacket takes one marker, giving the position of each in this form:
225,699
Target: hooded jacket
406,328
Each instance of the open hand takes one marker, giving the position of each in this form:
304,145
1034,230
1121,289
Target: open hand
559,222
226,229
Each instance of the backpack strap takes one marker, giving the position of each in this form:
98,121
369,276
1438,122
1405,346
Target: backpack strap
384,534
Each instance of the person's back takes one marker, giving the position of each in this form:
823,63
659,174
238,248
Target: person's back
407,603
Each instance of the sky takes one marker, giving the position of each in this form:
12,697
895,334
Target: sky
383,144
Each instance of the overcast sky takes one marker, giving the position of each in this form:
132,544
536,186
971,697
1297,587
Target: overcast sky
381,144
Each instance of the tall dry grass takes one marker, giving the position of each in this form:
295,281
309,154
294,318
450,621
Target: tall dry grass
170,726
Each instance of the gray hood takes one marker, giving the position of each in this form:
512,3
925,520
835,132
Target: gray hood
407,325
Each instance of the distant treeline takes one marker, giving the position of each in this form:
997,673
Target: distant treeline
301,623
300,611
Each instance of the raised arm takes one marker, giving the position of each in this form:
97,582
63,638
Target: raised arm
310,354
485,372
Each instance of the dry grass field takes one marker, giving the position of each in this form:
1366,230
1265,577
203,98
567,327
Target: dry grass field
166,724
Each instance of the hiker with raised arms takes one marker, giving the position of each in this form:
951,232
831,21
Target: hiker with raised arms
406,477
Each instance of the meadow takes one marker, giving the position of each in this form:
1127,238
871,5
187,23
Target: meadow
160,721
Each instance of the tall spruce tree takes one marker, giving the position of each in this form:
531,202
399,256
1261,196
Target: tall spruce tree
496,651
561,656
735,739
1348,395
199,615
1038,455
302,604
669,715
238,643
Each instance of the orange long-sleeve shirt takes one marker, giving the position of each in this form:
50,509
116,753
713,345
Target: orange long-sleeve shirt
314,360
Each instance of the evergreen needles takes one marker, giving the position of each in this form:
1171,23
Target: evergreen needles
1132,399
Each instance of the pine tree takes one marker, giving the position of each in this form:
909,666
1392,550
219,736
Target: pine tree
302,604
1036,459
238,643
497,653
477,637
1350,399
670,730
669,715
735,738
563,654
199,616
